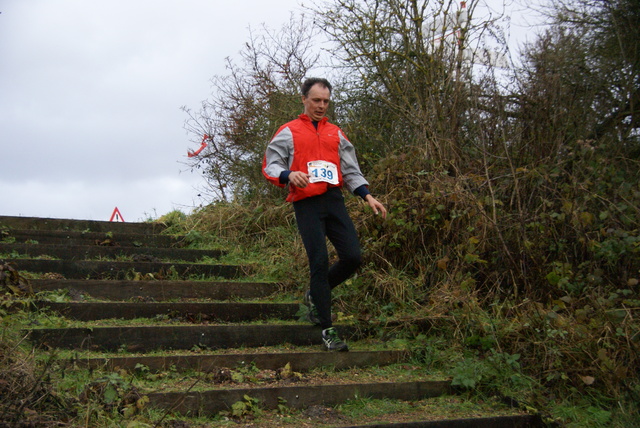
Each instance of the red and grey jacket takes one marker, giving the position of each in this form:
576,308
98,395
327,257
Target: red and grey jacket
298,142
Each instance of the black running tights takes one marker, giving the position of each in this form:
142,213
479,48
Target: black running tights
320,217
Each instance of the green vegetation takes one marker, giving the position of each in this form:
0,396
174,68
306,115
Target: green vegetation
570,327
510,261
514,227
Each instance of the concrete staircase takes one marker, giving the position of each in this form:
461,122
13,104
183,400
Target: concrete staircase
127,271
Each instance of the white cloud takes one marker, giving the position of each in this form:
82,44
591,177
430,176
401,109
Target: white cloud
90,99
137,200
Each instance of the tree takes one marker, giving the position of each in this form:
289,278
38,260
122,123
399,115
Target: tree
405,73
247,107
611,31
558,88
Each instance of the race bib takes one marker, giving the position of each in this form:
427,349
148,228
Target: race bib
323,171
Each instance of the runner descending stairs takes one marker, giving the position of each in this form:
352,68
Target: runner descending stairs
139,298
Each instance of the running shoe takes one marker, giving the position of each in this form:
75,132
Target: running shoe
332,341
312,314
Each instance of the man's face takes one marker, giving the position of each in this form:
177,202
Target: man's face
316,102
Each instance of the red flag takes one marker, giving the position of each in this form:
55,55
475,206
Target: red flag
202,146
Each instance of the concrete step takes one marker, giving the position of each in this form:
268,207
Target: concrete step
300,396
86,252
87,269
149,338
194,312
138,299
514,421
213,401
40,223
73,237
299,361
157,290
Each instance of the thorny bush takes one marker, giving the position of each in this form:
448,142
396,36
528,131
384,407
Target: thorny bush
542,261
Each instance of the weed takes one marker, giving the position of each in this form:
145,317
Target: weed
111,394
283,409
496,371
12,281
60,295
358,408
247,408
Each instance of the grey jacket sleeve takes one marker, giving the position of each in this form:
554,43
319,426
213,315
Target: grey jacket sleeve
351,174
279,154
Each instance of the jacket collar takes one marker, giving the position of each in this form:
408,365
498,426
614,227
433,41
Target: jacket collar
306,118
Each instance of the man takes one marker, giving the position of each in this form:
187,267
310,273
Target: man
315,159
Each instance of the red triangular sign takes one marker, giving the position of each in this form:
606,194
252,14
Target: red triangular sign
116,216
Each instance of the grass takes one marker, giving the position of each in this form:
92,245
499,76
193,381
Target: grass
488,350
286,417
359,411
52,320
355,346
248,376
446,407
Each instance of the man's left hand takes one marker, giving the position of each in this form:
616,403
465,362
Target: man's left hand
376,206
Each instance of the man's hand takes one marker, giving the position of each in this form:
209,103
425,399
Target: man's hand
299,179
376,206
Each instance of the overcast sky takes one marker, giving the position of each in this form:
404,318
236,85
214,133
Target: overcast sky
90,97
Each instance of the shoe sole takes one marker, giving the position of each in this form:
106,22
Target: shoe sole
345,349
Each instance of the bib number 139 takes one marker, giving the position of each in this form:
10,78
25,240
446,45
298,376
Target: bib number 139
323,171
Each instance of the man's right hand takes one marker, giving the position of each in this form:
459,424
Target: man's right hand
299,179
